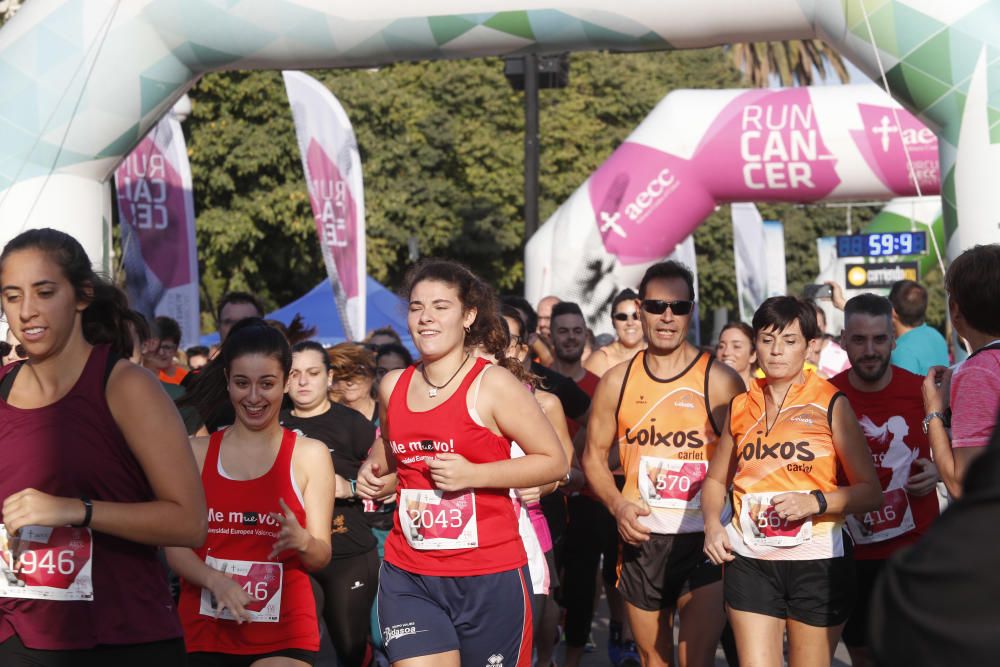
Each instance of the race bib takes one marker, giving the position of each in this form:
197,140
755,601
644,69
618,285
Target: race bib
261,581
891,520
671,483
432,519
42,563
762,526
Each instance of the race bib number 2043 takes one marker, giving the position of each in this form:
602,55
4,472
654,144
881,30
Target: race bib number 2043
432,519
42,563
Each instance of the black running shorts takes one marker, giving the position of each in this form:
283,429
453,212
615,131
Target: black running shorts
655,574
815,592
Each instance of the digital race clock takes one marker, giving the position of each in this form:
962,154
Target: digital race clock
883,244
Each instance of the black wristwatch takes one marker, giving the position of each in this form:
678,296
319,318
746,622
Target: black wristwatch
821,499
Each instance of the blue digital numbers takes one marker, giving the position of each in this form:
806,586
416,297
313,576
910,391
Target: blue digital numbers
882,244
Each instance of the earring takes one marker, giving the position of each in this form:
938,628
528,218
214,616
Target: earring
468,330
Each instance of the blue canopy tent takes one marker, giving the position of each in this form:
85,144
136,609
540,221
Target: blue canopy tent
318,310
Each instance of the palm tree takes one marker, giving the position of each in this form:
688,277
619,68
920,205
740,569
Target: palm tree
794,62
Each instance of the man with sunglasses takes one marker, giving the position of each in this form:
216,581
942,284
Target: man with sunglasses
664,409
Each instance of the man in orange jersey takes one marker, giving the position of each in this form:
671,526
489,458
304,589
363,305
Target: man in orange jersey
664,409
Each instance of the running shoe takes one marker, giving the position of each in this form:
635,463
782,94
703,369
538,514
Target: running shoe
628,655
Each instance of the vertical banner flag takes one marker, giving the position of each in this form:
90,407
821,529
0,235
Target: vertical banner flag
685,254
774,248
156,211
332,165
748,249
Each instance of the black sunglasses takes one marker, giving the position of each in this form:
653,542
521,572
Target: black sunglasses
625,317
659,306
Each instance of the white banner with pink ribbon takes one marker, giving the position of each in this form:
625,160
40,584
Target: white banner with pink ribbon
332,166
156,213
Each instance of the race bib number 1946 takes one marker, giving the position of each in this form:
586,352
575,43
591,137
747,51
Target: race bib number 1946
43,563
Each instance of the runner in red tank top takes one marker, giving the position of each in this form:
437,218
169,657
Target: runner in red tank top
91,440
453,588
246,592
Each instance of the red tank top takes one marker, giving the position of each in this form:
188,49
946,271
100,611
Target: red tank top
240,538
436,533
70,448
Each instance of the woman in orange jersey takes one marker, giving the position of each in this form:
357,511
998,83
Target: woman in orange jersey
788,449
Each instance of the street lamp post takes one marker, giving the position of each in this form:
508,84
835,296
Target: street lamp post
531,73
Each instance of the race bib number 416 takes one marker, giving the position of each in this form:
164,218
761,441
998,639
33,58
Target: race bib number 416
44,563
762,526
891,520
261,581
432,519
671,483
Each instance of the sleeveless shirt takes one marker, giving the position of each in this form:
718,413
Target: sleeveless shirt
463,533
796,454
666,438
74,448
240,538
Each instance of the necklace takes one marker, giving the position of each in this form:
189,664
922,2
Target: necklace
433,390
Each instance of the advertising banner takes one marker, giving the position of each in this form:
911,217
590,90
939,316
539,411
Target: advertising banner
156,212
332,166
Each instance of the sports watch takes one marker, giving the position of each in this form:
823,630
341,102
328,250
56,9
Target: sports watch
821,499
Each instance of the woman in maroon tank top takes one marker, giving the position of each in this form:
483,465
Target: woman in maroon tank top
245,594
453,588
95,471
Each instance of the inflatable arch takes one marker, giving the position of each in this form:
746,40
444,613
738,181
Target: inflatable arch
83,80
701,148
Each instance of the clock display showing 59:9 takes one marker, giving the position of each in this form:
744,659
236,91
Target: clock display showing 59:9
883,244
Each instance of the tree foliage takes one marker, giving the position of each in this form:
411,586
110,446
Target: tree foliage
793,62
442,150
442,153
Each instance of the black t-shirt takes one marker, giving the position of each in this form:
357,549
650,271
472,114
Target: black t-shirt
938,601
575,401
348,436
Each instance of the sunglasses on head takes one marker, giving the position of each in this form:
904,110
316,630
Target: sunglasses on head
659,306
625,317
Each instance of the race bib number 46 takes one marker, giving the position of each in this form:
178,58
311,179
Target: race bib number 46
762,526
891,520
261,581
43,563
432,519
671,483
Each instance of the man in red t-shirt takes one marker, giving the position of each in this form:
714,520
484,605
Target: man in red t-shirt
889,406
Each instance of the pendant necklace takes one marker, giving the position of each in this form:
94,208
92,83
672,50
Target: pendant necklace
432,391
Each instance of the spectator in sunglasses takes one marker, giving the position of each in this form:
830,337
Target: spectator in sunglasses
11,350
629,338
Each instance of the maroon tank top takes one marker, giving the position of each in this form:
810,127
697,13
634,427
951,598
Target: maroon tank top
73,448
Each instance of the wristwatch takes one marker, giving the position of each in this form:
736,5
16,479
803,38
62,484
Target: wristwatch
929,418
821,499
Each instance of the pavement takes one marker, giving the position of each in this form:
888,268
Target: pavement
599,658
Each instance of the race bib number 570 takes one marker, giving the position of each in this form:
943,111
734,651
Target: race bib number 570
43,563
432,519
671,483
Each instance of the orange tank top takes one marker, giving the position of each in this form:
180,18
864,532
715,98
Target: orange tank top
666,437
795,455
